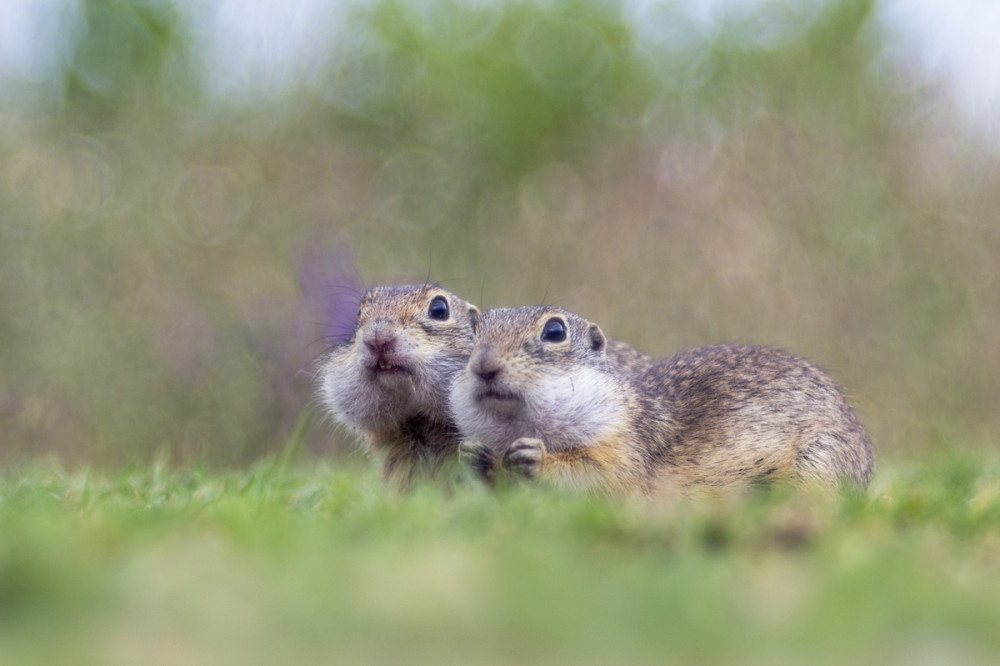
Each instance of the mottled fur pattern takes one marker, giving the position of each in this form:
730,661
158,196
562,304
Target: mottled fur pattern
627,357
717,416
746,413
390,380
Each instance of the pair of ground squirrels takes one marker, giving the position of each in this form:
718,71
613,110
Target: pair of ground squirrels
540,392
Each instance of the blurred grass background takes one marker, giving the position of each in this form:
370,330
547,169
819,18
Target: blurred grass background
172,255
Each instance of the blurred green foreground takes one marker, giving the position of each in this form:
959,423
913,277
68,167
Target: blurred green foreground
274,565
171,259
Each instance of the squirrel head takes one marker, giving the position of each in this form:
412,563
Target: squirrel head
407,345
532,339
535,372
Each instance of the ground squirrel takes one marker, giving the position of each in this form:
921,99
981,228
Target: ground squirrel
540,397
391,378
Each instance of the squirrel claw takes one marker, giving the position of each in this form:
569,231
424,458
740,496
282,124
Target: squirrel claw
524,456
480,459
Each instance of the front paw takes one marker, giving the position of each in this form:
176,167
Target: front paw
480,459
524,457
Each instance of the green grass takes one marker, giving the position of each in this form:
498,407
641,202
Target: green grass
319,564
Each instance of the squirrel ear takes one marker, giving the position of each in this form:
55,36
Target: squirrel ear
473,316
597,339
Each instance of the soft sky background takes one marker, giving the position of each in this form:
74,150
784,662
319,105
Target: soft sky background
258,48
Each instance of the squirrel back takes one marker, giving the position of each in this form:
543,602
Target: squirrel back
744,412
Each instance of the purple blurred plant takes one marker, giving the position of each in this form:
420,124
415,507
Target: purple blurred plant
332,289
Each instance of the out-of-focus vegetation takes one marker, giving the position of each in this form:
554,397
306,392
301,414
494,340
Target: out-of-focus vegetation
170,262
272,564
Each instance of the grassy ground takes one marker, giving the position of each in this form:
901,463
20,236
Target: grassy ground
320,565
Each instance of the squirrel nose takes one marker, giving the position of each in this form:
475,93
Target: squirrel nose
380,341
486,365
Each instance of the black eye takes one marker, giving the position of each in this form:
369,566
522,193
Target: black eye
438,309
554,331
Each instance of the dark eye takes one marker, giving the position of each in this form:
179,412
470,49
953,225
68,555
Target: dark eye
554,331
438,309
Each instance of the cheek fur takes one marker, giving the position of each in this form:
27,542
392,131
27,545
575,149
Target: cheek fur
462,405
343,391
433,379
579,407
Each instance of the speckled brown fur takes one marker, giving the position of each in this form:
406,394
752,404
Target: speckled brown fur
627,357
718,416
